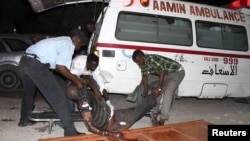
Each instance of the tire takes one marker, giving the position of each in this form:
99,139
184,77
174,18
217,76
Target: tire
9,78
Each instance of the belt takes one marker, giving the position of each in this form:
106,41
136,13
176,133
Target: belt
31,56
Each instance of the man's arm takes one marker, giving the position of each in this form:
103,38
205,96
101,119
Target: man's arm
86,110
157,90
87,118
97,75
145,85
92,85
100,82
65,72
106,97
105,94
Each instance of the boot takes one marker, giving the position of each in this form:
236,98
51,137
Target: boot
154,120
161,121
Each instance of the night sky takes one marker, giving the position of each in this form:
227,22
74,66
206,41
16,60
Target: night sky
18,14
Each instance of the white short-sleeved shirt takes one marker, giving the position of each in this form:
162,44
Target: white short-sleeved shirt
55,51
78,68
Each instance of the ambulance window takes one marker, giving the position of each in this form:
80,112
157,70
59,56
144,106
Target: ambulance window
221,36
154,29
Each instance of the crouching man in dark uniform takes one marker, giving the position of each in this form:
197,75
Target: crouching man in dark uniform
100,118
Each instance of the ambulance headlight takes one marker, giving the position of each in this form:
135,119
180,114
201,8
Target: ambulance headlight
144,3
96,52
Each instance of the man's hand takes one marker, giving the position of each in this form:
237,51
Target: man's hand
105,94
90,83
78,83
65,72
156,91
97,94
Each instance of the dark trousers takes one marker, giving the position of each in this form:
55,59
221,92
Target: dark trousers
37,75
165,100
133,114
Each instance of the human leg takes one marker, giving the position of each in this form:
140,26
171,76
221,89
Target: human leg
71,103
152,82
28,95
54,95
133,114
57,100
136,96
170,85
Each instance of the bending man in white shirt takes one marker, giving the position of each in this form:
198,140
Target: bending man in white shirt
99,116
88,66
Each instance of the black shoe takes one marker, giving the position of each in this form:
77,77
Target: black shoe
161,122
79,134
27,123
154,120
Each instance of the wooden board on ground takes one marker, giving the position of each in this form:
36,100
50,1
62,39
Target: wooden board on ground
185,131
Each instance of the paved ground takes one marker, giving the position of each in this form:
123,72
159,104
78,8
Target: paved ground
225,111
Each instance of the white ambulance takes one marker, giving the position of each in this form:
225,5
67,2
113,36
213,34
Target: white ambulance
211,43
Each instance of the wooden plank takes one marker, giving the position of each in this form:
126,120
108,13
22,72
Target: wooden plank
185,131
